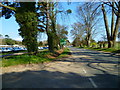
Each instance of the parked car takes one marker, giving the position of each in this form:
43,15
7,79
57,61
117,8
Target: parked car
16,49
40,48
45,47
24,48
9,49
4,49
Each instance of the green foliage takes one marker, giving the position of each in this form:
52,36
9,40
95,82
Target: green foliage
18,42
40,43
9,41
69,11
65,53
93,43
27,20
76,42
61,31
26,58
22,59
116,49
26,17
6,36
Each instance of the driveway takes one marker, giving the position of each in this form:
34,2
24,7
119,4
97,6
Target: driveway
83,69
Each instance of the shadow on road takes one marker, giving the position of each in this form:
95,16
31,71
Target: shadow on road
95,57
93,53
58,79
48,79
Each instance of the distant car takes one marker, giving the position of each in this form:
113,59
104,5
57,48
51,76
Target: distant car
10,48
25,48
40,48
45,47
4,49
21,48
16,49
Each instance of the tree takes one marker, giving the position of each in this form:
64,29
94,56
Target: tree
40,43
61,33
88,14
111,37
6,36
9,41
29,16
119,34
76,42
48,22
28,25
25,14
78,33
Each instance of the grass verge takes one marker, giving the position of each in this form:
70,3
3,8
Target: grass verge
43,56
65,53
112,50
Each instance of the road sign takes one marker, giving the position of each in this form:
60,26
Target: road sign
63,41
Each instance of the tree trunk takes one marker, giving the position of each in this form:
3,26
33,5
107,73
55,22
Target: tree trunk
112,21
88,40
107,27
100,45
88,43
50,38
50,43
51,28
116,29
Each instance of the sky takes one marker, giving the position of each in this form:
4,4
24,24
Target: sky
10,26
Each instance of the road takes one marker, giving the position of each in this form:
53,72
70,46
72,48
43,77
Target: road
84,69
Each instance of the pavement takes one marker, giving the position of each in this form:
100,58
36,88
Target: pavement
83,69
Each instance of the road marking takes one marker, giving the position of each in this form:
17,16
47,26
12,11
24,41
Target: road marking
93,83
84,70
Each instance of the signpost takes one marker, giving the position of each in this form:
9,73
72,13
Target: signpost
62,42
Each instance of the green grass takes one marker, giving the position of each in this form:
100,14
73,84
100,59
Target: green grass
113,50
26,59
65,53
116,49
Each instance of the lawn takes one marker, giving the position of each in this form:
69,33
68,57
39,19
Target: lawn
26,59
65,53
116,49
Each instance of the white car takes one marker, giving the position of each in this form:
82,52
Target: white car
40,48
6,49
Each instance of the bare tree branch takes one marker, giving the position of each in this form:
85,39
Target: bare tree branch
110,5
11,8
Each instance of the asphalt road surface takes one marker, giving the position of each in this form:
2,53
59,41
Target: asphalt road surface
84,69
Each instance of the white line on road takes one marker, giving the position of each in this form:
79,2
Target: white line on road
84,70
93,83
